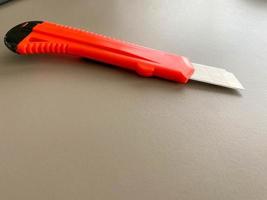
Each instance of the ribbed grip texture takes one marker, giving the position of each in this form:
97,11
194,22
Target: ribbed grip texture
44,48
107,38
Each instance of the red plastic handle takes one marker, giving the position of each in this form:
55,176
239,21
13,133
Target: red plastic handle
52,38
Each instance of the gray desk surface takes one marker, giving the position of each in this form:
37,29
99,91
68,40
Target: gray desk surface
71,129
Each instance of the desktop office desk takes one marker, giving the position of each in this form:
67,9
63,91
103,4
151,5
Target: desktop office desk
73,129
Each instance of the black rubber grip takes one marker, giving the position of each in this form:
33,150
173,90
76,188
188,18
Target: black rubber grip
18,33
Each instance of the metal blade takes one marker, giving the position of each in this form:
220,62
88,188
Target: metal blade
215,76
